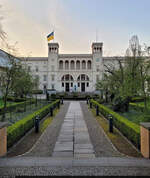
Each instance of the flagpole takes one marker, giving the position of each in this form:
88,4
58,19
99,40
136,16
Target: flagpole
53,39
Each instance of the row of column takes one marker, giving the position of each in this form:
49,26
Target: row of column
75,65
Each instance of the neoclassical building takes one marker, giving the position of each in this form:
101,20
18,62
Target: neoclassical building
69,72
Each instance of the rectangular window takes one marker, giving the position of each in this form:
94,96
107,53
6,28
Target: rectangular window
71,84
45,67
53,77
53,86
45,77
87,84
36,68
78,84
62,85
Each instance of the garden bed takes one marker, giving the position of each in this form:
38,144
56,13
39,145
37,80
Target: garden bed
129,129
17,130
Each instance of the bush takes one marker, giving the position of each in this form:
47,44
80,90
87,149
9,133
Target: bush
137,99
17,130
13,106
37,91
128,128
11,98
137,107
53,96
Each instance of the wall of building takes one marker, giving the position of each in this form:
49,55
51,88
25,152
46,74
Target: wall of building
52,69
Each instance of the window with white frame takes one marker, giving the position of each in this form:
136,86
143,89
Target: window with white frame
36,68
45,77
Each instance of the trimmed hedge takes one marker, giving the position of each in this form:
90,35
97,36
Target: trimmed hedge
17,130
137,106
11,98
37,91
15,105
126,127
137,99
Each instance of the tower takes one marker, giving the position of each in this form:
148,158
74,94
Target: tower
97,53
53,50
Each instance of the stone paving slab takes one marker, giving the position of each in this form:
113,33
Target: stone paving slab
101,144
74,132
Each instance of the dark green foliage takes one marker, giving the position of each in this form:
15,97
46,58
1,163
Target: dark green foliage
137,99
137,106
17,130
53,96
126,127
121,104
11,98
16,105
37,91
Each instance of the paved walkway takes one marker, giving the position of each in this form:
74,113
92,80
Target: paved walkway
70,146
73,140
45,145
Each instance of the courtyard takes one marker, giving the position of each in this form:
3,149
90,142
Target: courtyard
73,144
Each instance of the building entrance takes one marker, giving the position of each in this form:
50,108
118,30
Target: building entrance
82,87
67,87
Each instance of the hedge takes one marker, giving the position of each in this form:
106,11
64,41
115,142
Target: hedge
137,99
14,99
126,127
136,106
17,130
15,105
37,91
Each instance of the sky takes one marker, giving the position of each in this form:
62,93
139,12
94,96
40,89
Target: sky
76,24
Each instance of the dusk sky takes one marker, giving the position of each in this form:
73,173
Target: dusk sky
75,23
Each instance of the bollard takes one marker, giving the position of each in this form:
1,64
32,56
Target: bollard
90,105
97,110
110,123
87,101
62,101
37,119
51,111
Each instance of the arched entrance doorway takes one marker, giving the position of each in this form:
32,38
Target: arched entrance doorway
83,82
67,82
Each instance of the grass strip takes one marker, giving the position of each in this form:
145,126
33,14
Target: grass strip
122,145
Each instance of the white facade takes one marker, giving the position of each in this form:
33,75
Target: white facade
69,72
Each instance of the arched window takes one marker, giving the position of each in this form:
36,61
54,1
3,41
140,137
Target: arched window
89,65
78,65
83,77
60,64
83,65
67,77
66,65
72,65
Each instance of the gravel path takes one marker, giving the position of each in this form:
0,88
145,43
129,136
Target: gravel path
101,144
45,145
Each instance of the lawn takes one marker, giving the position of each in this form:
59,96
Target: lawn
135,116
19,113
